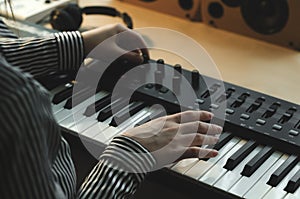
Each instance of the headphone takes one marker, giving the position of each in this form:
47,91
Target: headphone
70,17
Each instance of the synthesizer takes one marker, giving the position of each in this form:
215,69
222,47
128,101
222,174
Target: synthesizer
258,150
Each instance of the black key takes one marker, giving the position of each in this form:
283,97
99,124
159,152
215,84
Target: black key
293,183
54,79
107,112
282,171
79,97
133,109
257,161
148,118
223,139
64,94
97,106
238,156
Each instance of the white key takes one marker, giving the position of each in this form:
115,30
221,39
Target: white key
217,170
129,123
70,121
183,165
58,107
278,192
231,177
245,183
88,122
98,130
261,187
102,132
84,124
201,167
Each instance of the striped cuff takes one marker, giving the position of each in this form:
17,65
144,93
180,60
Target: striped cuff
70,50
129,155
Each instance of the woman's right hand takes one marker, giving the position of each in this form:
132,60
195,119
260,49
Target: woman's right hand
178,136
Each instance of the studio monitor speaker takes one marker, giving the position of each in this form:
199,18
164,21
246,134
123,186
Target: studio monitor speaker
189,9
275,21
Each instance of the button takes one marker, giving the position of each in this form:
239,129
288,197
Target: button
214,106
245,116
163,90
149,86
199,101
260,122
277,127
229,111
294,133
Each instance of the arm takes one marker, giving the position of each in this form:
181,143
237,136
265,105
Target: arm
130,156
63,51
26,147
39,56
118,172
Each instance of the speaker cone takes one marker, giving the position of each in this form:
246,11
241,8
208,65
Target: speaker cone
186,4
265,16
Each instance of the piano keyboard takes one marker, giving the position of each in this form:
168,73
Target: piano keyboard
258,150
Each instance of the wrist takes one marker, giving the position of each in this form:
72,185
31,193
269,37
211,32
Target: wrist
127,154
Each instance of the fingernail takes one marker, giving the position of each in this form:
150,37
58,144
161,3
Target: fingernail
214,153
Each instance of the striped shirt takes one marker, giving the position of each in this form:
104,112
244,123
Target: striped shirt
35,159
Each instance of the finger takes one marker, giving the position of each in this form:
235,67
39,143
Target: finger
189,116
132,40
198,140
132,58
197,152
200,127
127,57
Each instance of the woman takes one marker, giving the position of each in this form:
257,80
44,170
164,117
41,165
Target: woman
35,158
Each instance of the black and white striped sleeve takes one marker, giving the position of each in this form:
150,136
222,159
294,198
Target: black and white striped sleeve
36,161
25,145
120,171
61,51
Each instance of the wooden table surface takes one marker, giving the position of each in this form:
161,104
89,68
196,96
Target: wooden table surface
244,61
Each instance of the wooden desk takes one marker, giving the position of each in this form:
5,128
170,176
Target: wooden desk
241,60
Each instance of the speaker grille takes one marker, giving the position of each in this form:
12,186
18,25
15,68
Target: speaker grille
265,16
